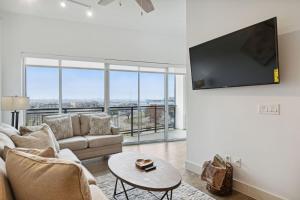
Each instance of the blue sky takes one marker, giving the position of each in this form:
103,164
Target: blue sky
80,84
42,83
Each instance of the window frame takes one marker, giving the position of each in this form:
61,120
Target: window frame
164,67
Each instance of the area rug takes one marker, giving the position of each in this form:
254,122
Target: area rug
183,192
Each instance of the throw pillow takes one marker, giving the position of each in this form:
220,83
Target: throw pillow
5,141
61,126
27,130
47,153
40,139
37,178
8,130
85,121
100,125
74,118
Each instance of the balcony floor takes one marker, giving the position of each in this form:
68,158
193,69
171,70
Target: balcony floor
177,134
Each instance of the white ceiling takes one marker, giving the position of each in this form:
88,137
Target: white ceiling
169,16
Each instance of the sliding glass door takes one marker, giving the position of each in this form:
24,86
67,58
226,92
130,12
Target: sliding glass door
152,106
146,103
123,104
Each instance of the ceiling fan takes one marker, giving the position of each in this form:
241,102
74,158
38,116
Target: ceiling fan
146,5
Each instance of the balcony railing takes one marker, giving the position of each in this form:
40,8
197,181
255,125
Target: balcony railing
151,118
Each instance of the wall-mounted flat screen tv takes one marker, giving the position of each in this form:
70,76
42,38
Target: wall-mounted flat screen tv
245,57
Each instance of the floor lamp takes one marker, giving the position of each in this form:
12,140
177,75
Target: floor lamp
15,104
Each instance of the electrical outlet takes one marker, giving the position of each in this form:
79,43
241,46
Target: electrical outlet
262,109
269,109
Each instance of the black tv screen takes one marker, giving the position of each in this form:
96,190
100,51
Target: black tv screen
242,58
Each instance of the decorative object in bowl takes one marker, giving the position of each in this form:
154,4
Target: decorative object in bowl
143,163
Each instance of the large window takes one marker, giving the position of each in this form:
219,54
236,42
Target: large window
124,102
152,101
82,89
123,88
152,89
43,89
137,98
62,86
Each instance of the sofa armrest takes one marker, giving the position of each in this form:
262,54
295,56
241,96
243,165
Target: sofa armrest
114,130
97,193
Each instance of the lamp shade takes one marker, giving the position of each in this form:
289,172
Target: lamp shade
11,103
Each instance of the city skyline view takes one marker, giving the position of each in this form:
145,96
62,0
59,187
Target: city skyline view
43,83
85,87
82,90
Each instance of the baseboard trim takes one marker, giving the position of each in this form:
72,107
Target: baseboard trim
193,167
242,187
254,192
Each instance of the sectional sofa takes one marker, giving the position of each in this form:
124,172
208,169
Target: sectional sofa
86,146
76,148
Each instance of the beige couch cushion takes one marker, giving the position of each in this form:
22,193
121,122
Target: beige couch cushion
75,121
8,130
27,130
103,140
40,139
76,124
60,125
47,153
74,143
96,193
85,121
5,141
114,130
5,190
67,154
100,125
36,178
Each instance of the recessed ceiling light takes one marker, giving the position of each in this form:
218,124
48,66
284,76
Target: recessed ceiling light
89,13
63,4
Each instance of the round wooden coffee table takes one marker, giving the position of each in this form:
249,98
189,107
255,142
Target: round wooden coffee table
165,178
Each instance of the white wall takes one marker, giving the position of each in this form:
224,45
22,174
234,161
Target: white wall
226,121
23,33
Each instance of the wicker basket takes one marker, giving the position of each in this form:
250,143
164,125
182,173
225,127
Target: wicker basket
226,188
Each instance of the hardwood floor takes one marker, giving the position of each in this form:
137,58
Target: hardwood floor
174,153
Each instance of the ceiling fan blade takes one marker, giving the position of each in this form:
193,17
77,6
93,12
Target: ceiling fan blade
146,5
105,2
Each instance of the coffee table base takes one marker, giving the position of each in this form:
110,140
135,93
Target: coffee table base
166,194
